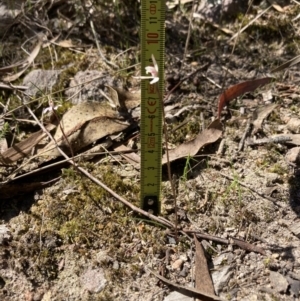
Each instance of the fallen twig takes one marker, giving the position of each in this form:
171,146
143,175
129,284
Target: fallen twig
278,139
247,246
40,169
190,291
234,241
184,79
98,182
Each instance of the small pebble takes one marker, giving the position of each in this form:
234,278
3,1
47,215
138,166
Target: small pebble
177,264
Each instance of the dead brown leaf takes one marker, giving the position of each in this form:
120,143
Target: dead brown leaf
240,89
23,148
124,99
203,279
260,114
191,148
187,290
82,125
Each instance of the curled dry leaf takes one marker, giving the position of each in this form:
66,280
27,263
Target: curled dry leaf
124,99
23,148
261,114
82,125
191,148
239,89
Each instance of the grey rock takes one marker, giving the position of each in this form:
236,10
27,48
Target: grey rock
294,286
293,155
278,282
87,86
294,125
40,81
221,277
252,297
184,272
171,240
295,228
93,280
223,258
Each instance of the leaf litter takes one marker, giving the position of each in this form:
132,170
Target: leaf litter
77,224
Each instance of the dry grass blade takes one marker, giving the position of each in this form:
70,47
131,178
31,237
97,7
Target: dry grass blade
278,8
59,163
99,49
12,67
27,63
131,157
251,22
287,64
189,32
11,87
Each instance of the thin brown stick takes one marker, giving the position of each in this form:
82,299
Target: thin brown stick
68,160
234,241
247,246
160,220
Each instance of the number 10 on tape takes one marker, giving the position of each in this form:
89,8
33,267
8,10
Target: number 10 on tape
152,44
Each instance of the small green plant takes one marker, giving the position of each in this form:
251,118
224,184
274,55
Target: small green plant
5,130
187,169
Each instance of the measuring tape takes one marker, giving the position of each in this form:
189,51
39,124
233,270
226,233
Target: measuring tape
152,43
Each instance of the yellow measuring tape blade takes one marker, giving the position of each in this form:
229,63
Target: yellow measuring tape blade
152,44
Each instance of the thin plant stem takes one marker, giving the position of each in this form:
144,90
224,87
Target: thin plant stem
168,161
